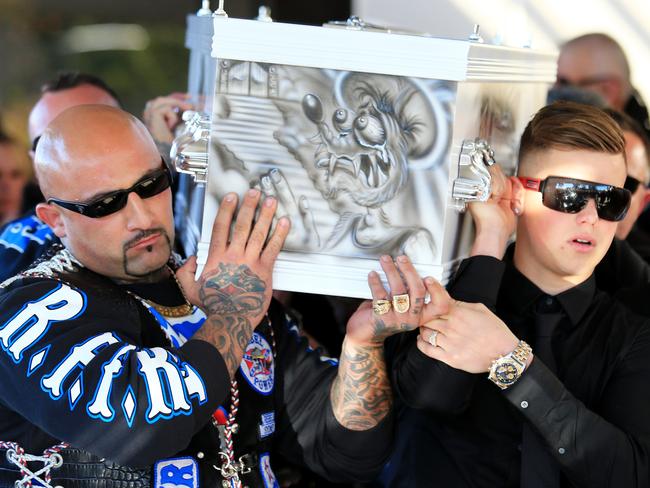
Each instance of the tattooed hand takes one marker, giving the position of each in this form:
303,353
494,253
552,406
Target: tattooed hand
367,328
235,287
361,393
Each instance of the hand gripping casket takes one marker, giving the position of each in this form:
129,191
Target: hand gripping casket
371,141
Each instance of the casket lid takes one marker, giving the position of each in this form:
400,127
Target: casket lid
378,52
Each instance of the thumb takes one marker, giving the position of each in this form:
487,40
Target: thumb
185,276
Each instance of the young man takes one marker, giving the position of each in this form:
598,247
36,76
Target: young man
96,348
573,411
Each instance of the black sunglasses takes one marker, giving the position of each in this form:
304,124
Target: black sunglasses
569,195
631,184
146,187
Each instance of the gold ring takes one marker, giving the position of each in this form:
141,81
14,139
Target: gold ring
380,307
401,303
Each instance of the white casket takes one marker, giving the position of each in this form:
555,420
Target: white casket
372,141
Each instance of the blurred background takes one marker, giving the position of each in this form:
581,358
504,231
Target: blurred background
137,46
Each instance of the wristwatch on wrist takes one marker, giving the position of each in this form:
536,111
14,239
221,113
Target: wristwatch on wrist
506,370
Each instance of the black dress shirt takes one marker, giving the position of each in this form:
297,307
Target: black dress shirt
593,414
622,267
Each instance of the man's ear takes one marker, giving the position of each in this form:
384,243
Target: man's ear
517,202
51,215
646,200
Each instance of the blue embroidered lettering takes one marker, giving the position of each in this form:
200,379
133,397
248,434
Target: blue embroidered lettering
30,323
165,385
100,406
79,356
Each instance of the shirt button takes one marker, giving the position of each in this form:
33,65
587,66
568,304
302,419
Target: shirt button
549,301
524,404
561,450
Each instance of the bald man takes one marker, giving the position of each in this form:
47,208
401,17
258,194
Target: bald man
26,238
597,63
113,353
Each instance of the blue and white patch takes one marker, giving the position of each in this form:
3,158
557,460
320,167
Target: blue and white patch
22,233
179,330
267,424
257,365
176,473
268,477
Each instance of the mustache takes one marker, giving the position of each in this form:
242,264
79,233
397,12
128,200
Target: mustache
143,234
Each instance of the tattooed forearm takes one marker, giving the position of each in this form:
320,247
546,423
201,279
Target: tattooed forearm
361,394
233,298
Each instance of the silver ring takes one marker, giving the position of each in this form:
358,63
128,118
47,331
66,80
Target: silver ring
433,338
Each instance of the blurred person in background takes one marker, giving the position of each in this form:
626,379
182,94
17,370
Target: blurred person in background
13,178
596,62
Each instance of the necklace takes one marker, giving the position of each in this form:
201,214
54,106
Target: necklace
176,310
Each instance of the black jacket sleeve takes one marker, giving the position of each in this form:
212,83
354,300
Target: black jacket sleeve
422,382
307,430
610,449
76,368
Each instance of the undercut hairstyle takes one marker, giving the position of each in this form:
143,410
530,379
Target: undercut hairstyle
628,124
72,79
571,126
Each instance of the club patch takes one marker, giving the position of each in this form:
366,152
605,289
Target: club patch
257,364
176,473
267,424
268,477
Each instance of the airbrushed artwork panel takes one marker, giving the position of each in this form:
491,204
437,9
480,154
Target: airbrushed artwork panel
358,161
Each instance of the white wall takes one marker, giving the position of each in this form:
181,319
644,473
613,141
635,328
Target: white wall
543,23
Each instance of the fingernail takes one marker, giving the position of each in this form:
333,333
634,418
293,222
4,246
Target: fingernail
253,192
429,281
402,259
283,222
269,201
230,197
386,259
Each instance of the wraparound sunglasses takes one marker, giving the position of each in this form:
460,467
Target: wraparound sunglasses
569,195
146,187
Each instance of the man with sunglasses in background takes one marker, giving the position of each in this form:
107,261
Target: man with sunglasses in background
118,362
627,262
554,389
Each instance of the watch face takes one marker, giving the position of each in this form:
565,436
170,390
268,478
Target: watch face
506,373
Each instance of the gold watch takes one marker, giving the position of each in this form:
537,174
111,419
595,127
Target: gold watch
506,370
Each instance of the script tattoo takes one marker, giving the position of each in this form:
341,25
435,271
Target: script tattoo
382,330
361,393
232,296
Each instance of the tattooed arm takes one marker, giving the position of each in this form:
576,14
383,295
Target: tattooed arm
361,394
235,287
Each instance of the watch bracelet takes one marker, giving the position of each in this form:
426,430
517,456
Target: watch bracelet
521,352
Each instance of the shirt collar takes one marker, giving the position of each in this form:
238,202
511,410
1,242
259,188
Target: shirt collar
521,294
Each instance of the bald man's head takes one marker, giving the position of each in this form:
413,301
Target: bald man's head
52,103
107,191
596,62
82,138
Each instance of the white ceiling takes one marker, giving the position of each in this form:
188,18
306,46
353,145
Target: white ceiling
544,24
